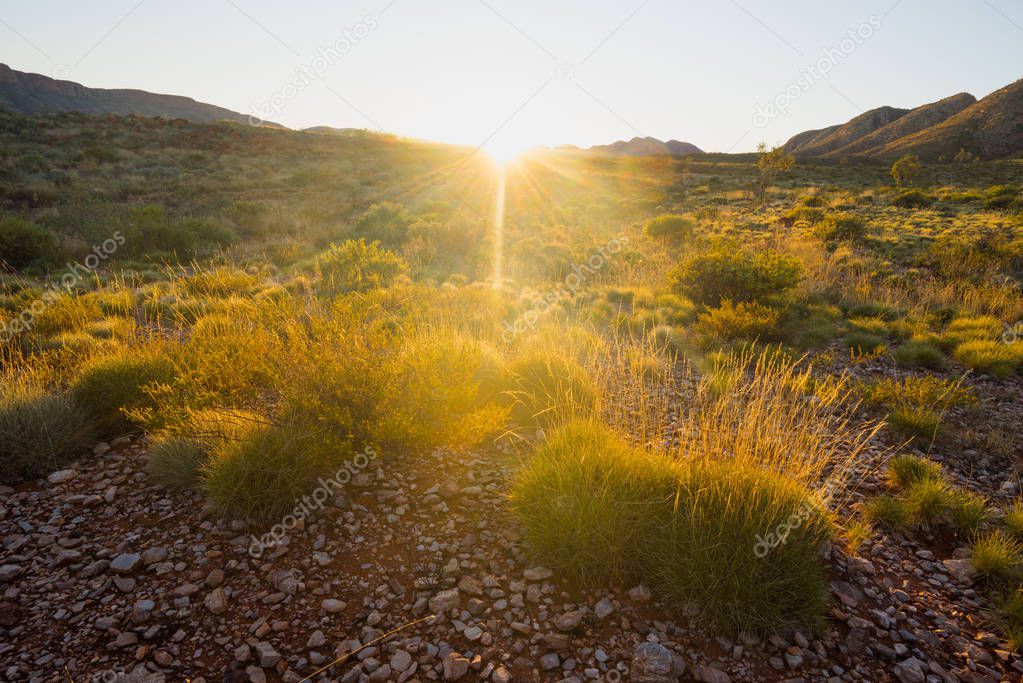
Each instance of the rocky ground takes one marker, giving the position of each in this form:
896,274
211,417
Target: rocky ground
421,575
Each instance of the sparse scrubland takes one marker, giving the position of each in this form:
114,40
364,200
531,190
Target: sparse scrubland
725,390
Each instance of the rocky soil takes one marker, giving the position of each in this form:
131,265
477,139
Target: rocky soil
420,575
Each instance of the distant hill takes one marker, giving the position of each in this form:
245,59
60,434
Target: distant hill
990,128
27,93
648,146
914,121
819,143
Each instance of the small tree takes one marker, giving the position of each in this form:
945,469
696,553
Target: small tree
905,170
771,163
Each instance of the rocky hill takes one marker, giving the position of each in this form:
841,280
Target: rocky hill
28,93
990,128
648,146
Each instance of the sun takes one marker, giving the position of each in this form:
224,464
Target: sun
504,152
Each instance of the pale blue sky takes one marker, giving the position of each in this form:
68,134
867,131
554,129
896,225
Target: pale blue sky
470,70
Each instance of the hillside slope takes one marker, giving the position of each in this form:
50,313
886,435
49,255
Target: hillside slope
28,93
837,137
991,128
916,120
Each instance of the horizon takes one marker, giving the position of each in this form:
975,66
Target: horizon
509,77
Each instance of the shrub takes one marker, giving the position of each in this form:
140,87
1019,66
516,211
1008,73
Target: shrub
355,266
671,226
805,213
177,456
927,500
993,358
263,475
586,500
386,222
745,320
107,386
913,199
703,533
887,510
980,328
549,388
730,273
968,511
175,462
1009,616
906,470
920,354
742,546
24,245
997,556
1000,196
1013,519
916,404
841,227
863,343
914,421
39,432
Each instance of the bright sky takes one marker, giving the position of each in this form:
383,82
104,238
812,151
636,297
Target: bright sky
515,73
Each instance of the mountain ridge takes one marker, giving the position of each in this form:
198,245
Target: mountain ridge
30,93
989,128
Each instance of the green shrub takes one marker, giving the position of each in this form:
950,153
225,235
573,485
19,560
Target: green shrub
916,404
862,343
1013,519
1009,616
263,475
728,272
841,227
387,223
671,226
175,462
177,456
928,500
586,497
806,214
745,320
968,512
107,386
887,510
914,421
355,266
549,388
39,432
998,556
1000,196
24,245
920,354
906,470
993,358
702,555
913,199
736,542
